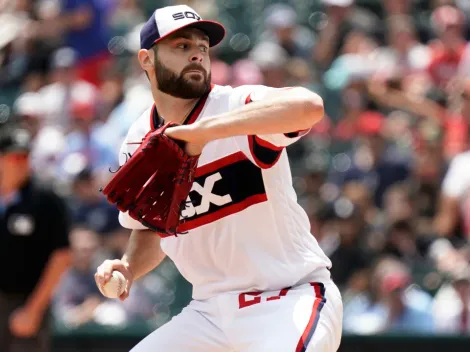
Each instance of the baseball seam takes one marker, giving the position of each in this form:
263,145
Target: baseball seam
119,292
119,288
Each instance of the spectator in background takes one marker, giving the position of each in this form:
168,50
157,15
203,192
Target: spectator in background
343,17
451,306
14,54
33,246
399,8
125,16
401,242
361,197
28,112
350,259
345,80
354,63
394,304
372,162
66,87
398,204
90,207
84,26
403,54
405,244
245,71
77,297
111,94
283,29
47,139
78,300
453,217
448,49
271,58
428,171
83,145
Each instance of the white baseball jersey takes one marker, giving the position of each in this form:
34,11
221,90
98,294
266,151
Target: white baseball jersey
246,230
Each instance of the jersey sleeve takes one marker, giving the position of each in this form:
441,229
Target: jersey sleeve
264,150
456,181
128,147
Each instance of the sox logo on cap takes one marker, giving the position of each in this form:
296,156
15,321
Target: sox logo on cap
167,20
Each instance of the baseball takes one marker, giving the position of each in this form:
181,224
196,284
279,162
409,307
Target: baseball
115,286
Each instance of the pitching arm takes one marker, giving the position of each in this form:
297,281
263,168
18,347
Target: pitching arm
143,253
280,111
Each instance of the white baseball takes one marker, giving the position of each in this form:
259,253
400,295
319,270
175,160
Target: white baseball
115,286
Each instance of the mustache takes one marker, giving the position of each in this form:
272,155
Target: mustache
195,67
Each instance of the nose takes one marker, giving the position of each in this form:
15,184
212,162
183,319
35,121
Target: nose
196,57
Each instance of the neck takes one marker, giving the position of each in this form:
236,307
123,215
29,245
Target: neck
172,109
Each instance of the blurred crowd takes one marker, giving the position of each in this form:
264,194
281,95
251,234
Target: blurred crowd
384,177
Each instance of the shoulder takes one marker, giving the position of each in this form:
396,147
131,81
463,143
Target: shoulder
136,133
140,127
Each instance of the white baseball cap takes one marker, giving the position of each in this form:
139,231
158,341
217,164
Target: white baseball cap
167,20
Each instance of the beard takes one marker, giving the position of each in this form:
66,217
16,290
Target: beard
185,85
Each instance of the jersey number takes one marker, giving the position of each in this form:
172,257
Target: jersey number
247,299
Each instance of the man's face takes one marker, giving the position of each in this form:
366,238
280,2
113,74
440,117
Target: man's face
182,64
11,166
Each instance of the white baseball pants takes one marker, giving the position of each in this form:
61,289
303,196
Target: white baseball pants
306,318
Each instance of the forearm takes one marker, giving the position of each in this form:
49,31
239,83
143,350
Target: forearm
58,262
393,98
143,252
290,111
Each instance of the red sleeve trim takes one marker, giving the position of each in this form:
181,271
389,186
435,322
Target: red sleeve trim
152,120
297,133
264,153
267,144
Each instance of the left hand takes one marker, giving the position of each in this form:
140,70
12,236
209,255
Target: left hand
192,134
25,322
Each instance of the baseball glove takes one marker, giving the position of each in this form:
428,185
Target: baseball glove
154,183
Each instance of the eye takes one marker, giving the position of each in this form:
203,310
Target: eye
204,48
182,46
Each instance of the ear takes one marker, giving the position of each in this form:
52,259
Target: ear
146,59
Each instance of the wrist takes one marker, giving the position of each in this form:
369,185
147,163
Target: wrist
127,265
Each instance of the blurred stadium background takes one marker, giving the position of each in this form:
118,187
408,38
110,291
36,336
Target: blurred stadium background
385,174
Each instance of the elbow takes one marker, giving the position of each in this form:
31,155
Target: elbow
311,109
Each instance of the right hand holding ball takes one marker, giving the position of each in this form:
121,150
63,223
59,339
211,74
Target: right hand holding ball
114,279
114,287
